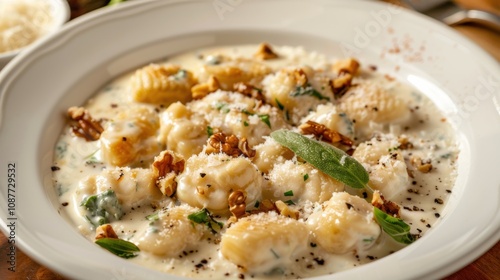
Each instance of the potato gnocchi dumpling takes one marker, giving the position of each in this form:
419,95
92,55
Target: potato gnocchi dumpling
229,71
261,242
182,130
170,232
300,182
369,102
130,139
161,84
345,223
209,180
132,186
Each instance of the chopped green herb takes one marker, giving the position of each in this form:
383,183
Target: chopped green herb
308,90
119,247
280,106
332,161
396,228
102,208
257,204
210,131
288,193
204,217
265,119
245,123
306,176
223,107
153,217
290,202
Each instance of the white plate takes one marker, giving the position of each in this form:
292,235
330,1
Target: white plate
71,65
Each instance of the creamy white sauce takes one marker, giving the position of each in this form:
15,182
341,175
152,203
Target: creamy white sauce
421,201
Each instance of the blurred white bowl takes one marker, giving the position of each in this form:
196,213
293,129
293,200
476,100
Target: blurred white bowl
60,12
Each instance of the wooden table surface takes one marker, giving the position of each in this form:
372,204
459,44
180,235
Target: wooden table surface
487,267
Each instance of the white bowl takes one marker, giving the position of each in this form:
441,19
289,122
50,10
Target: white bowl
65,70
60,12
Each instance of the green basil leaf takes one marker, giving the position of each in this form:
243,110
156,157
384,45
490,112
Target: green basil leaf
396,228
204,217
326,158
119,247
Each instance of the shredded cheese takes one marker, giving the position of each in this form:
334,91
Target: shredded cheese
22,22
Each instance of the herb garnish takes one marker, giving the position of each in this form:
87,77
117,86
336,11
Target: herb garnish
119,247
288,193
326,158
306,176
264,117
396,228
210,131
308,90
204,217
102,208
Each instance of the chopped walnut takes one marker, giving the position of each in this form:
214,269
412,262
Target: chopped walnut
166,166
404,143
300,77
286,211
201,90
348,65
105,231
249,90
323,133
83,125
237,204
386,206
265,52
341,84
229,145
424,167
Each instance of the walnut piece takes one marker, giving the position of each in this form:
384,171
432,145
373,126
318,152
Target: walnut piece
341,84
285,210
386,206
424,167
201,90
166,166
348,65
300,77
404,143
230,145
249,90
105,231
237,204
265,52
83,125
323,133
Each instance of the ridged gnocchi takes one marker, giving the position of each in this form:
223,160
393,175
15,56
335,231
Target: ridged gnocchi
182,130
229,71
130,139
386,165
261,242
170,232
208,181
292,180
162,84
296,91
345,223
370,102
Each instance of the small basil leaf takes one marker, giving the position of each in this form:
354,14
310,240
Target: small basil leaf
326,158
394,227
119,247
204,217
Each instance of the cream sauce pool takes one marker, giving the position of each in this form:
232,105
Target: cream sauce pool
399,136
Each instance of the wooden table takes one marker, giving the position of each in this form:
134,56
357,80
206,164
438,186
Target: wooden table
487,267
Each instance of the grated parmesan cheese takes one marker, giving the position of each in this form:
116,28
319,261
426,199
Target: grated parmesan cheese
22,22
